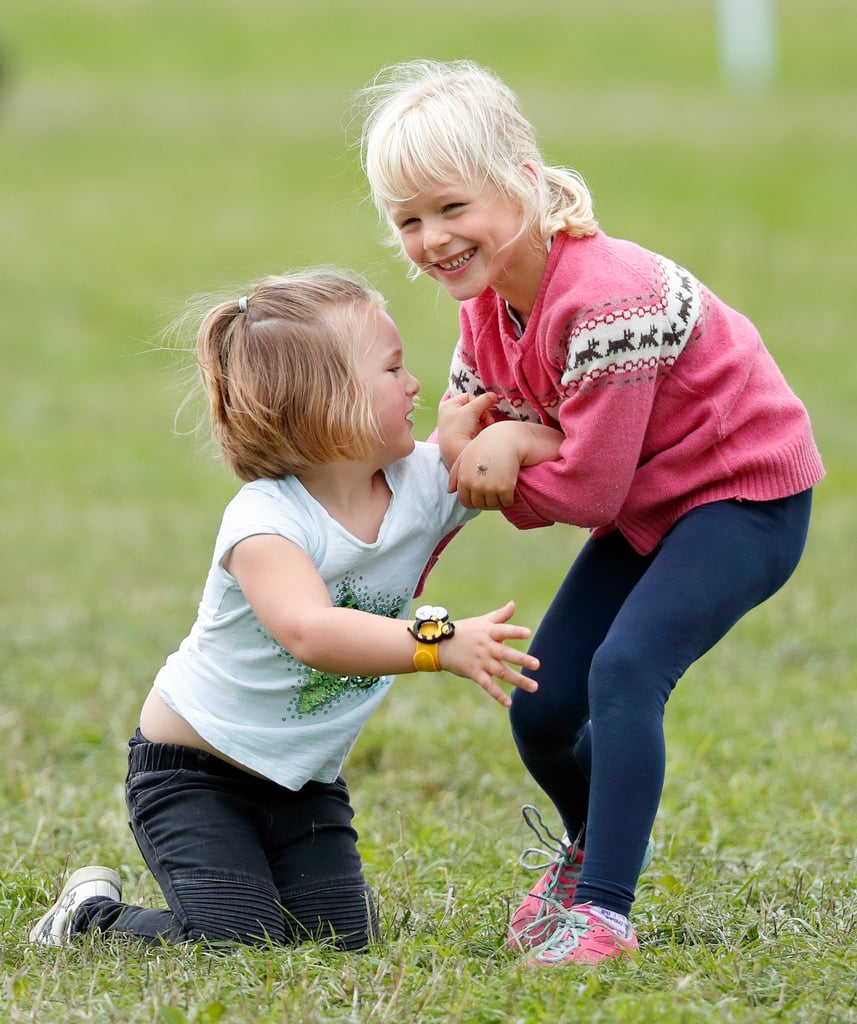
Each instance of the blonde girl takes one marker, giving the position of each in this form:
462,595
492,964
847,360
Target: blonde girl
684,452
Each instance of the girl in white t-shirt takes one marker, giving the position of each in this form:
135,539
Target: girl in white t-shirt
234,788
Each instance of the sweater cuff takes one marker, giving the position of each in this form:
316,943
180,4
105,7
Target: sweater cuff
523,516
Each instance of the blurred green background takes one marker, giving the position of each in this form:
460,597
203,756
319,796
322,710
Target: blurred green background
151,150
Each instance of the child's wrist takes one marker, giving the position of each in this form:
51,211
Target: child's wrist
431,627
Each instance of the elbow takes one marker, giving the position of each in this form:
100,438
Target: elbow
303,640
602,505
557,493
588,509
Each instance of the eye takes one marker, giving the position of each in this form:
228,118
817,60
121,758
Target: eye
453,207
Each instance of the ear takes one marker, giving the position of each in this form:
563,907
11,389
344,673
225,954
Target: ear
530,176
529,169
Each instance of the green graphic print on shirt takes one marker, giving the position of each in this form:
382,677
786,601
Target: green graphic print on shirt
319,690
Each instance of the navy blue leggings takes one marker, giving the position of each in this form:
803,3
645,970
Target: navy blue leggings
618,636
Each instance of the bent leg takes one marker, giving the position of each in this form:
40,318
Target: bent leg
198,822
550,726
717,563
317,869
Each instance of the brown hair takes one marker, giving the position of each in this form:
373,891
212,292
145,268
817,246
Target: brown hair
280,369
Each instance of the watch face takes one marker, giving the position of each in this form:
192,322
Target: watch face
432,624
428,612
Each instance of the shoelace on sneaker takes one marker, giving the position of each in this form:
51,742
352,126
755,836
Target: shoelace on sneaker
554,894
559,855
565,937
581,931
562,863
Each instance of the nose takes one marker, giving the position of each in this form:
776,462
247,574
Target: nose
435,236
413,385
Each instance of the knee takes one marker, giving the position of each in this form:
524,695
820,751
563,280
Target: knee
622,679
340,911
228,909
542,724
526,716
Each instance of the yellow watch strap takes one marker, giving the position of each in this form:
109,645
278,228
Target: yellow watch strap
425,657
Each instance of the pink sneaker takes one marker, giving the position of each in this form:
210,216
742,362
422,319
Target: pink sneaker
534,920
582,938
554,892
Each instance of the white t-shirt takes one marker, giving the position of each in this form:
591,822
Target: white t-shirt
241,690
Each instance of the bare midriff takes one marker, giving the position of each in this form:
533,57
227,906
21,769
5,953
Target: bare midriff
160,724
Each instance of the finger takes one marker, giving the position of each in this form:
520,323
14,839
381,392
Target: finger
511,631
503,614
521,681
465,497
484,402
486,500
515,657
453,476
493,690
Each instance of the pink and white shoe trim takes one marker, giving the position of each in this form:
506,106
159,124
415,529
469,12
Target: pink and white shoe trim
581,936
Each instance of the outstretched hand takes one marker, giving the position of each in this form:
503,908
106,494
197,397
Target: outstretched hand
479,651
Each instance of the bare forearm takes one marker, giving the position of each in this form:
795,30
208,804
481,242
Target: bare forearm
345,641
538,443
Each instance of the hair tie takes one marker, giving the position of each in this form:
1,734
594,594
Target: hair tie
242,304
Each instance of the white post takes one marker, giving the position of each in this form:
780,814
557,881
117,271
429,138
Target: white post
748,41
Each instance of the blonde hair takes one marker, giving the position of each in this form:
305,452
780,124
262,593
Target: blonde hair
281,371
424,120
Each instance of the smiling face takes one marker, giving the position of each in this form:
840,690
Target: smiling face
392,389
469,239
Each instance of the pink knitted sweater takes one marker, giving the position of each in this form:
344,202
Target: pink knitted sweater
668,398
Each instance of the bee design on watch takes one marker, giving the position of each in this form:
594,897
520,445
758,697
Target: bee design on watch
430,627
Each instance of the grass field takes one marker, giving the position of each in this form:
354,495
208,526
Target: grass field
152,150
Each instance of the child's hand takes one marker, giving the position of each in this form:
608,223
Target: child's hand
459,420
485,474
478,651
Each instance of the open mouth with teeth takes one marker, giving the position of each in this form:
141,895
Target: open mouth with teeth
457,262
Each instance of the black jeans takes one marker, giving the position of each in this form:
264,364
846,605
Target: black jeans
238,858
619,634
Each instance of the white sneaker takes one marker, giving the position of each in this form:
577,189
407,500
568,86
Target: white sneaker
53,928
